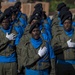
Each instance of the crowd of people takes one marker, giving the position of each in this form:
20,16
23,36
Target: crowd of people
37,45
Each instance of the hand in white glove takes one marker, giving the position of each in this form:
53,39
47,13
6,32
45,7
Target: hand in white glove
70,44
10,36
42,51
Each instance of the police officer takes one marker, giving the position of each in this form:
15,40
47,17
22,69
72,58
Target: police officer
45,20
59,8
44,31
11,12
37,54
56,22
64,46
8,59
20,14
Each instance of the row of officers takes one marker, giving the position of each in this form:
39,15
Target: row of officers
37,45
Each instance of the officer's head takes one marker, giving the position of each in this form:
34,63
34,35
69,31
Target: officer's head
18,5
44,16
35,31
62,11
34,18
60,6
7,12
67,21
5,21
38,5
13,12
14,16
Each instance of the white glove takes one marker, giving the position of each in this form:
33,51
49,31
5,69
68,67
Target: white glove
10,36
70,44
42,51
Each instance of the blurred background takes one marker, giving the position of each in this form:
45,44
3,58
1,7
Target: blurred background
49,6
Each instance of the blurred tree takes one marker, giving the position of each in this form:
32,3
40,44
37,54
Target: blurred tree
70,1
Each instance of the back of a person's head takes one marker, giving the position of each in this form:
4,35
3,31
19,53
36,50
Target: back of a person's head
66,15
17,4
60,6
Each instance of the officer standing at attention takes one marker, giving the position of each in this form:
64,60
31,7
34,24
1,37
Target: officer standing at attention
56,22
64,46
8,59
38,56
20,15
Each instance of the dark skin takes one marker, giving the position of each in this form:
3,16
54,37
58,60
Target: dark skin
13,17
5,24
35,33
33,22
67,25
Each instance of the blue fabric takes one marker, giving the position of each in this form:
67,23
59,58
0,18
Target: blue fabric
0,12
58,12
17,40
36,43
7,59
46,34
73,23
48,30
24,23
49,21
19,31
50,51
47,26
60,22
36,72
70,33
19,15
5,31
52,56
13,22
25,18
49,34
41,27
45,37
65,61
